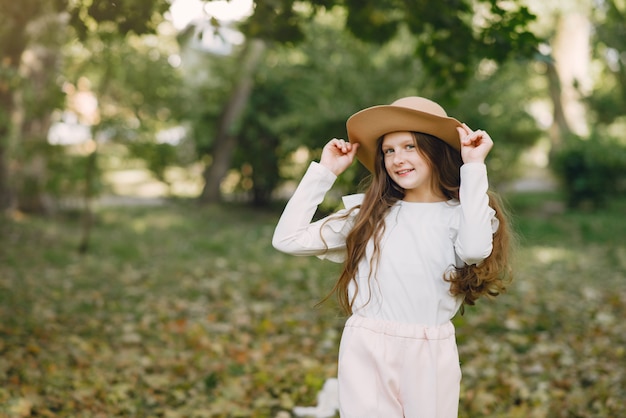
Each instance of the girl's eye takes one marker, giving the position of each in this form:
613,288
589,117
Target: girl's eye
410,146
388,151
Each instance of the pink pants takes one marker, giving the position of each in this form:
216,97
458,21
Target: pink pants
389,369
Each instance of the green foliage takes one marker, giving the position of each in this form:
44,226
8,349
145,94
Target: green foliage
121,17
58,178
542,217
132,76
204,100
285,22
608,98
39,26
138,91
67,173
303,95
28,89
311,88
330,75
158,157
605,103
375,21
450,40
14,17
497,100
592,171
259,140
181,311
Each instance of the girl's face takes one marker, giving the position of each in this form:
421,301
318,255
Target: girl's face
408,168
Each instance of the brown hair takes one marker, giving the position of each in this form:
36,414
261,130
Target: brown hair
471,281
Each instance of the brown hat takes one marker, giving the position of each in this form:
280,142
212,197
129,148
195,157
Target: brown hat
413,114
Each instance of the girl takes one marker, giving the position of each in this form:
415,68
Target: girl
424,239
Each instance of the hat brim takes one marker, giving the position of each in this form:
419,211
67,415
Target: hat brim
366,126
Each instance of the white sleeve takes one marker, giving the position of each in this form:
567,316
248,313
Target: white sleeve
296,235
477,223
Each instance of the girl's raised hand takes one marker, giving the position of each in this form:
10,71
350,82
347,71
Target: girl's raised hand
337,155
475,145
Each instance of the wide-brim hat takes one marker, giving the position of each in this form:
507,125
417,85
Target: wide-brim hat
413,114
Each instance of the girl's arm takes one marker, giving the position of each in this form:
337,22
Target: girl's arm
477,225
295,234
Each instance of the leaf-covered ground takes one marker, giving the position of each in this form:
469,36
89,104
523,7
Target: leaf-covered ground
178,311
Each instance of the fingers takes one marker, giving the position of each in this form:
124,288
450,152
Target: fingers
472,138
476,138
353,149
338,154
463,131
343,146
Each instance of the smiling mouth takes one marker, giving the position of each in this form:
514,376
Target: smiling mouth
403,172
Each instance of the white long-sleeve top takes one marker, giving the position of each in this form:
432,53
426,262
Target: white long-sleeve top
421,242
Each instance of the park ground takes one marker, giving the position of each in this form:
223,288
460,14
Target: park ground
178,310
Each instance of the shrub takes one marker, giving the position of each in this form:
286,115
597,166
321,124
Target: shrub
592,171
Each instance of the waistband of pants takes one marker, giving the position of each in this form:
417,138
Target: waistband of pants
401,329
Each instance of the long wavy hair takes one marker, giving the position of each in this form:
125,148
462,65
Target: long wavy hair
469,281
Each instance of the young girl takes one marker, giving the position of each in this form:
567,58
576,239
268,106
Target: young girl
424,239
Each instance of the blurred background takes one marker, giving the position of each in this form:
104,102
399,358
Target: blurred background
148,146
223,100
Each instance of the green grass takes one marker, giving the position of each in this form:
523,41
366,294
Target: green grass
182,311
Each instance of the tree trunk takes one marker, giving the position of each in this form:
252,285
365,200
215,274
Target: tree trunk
28,83
569,77
7,108
16,19
87,215
6,195
225,141
560,127
572,54
33,125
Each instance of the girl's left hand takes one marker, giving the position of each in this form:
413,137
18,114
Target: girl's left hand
475,145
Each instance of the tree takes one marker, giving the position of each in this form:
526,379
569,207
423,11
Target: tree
259,140
16,20
452,36
225,140
568,72
20,32
32,111
592,167
608,99
135,85
498,100
305,93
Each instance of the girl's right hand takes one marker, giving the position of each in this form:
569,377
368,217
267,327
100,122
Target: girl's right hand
337,155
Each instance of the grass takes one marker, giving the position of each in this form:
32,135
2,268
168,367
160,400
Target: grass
182,311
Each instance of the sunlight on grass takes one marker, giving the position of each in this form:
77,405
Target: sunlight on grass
547,255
